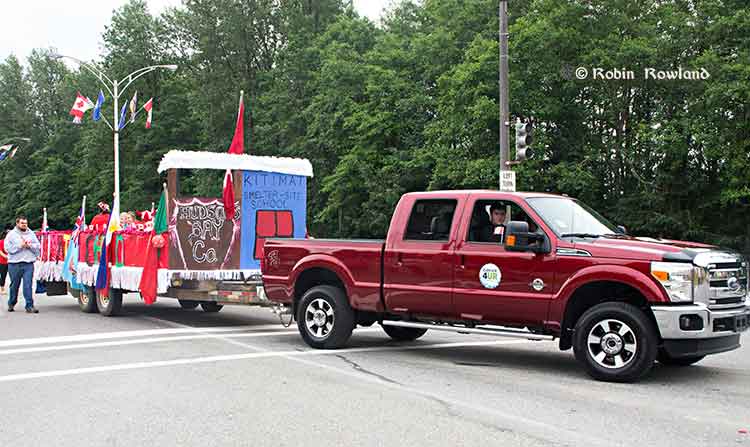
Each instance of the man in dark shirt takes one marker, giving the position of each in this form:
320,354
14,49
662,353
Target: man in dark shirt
495,231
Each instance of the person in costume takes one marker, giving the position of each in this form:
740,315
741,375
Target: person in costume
101,220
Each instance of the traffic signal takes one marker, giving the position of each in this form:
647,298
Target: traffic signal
523,141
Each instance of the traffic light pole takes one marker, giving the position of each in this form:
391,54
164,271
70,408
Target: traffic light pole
503,83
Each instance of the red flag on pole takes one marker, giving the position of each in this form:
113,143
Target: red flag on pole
238,142
228,195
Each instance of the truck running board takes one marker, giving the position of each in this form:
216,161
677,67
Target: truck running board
486,330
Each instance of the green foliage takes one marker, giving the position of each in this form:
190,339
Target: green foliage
408,105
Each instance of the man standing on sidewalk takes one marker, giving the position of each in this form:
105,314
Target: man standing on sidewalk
23,249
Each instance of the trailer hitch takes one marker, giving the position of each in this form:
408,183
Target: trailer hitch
282,310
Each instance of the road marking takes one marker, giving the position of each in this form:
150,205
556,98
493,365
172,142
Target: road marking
224,336
245,356
127,334
140,341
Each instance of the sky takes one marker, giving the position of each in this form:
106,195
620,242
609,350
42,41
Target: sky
75,28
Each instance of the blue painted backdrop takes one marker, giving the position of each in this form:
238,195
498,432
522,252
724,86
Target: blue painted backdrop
273,192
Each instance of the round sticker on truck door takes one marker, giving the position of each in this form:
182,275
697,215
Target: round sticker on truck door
489,276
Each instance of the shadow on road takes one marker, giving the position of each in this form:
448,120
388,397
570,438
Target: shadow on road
228,316
168,310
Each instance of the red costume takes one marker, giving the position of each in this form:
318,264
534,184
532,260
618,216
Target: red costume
99,222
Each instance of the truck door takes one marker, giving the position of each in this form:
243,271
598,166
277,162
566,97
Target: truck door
419,259
494,284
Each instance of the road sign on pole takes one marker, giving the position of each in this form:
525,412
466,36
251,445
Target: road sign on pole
508,181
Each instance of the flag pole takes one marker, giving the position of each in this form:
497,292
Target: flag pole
83,209
166,198
116,131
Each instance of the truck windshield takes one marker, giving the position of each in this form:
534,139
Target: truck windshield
568,217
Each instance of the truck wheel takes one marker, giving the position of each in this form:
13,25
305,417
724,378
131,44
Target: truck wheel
324,318
616,342
111,305
210,306
87,300
403,333
665,359
188,304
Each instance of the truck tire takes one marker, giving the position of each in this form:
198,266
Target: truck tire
616,342
111,305
324,317
403,333
665,359
211,307
87,300
188,304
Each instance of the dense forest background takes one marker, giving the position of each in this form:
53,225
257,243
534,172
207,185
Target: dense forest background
408,104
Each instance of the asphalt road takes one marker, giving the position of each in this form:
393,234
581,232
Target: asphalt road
163,376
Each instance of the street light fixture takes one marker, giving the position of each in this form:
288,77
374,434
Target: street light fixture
115,90
6,148
16,138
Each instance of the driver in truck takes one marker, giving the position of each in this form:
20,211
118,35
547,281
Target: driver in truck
496,229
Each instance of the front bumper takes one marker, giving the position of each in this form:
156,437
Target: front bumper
720,330
701,346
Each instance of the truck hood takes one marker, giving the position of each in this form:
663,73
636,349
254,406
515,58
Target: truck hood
642,248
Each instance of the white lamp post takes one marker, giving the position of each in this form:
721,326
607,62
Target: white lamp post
114,89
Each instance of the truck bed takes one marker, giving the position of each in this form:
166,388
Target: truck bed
359,262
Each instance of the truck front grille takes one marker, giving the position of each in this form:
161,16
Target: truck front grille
728,284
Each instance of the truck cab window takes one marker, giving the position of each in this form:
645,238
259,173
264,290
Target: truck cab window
430,220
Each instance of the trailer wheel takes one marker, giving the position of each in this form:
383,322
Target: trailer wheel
403,333
87,300
188,304
665,359
616,342
111,305
210,306
324,317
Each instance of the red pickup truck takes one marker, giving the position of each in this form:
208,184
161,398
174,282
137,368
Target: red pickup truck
527,265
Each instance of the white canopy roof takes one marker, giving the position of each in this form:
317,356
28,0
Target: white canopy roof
221,160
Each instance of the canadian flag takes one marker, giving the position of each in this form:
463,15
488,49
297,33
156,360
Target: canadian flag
148,107
80,106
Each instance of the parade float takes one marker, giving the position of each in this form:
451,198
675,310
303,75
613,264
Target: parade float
203,258
49,266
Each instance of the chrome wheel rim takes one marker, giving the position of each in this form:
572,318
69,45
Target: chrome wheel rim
612,344
103,300
319,318
84,298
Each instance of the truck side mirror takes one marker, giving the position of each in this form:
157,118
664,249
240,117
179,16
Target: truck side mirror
518,238
622,230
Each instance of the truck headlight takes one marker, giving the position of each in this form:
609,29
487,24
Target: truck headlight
677,279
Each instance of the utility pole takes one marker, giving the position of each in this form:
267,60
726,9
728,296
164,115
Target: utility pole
503,84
